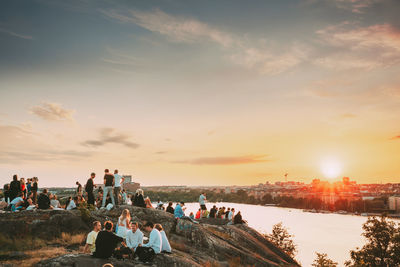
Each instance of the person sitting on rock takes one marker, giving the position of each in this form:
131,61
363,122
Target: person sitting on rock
170,209
72,203
54,201
134,237
147,251
179,211
106,242
44,200
123,223
165,246
138,199
17,202
198,214
147,201
90,245
238,219
213,212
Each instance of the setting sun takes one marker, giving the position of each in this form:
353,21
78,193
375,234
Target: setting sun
331,168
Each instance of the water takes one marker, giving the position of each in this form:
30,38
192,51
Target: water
333,234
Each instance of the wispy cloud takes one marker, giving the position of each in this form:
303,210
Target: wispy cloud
226,160
264,58
12,33
111,136
355,6
52,112
364,48
178,29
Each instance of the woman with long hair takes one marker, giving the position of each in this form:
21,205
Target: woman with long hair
147,201
124,223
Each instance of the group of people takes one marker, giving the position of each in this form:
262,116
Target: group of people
127,239
214,212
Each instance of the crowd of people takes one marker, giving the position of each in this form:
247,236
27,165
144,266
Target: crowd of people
127,240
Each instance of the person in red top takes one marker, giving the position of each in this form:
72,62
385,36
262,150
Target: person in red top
23,187
198,214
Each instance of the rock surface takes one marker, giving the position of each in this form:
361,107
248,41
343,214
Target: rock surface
207,243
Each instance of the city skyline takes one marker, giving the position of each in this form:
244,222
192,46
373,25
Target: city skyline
200,93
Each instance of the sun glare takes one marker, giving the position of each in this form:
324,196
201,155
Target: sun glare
331,168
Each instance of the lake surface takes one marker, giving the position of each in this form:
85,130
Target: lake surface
333,234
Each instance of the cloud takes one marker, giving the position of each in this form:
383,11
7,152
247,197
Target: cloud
268,61
12,33
395,137
109,135
364,48
226,160
265,59
178,29
355,6
52,112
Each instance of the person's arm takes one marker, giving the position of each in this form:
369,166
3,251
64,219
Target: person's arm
151,242
86,248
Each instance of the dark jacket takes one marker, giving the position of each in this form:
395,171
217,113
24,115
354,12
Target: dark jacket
43,202
138,201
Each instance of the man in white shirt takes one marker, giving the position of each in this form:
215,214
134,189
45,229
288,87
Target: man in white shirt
118,180
202,201
134,237
155,240
91,238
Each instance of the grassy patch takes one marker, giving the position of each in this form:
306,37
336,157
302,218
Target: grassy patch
34,256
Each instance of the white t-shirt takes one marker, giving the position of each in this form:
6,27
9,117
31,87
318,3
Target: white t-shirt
165,246
71,205
202,199
91,240
117,178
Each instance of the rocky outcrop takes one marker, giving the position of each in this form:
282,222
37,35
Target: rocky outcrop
207,243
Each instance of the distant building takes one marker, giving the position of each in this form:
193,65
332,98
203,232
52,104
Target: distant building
394,203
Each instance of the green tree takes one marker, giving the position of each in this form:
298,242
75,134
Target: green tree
382,247
281,238
322,260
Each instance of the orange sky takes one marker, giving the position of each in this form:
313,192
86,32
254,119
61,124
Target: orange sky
183,94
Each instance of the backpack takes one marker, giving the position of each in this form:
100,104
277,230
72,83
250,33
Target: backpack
145,254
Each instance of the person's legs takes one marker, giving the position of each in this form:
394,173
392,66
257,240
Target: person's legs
105,192
117,190
112,195
90,198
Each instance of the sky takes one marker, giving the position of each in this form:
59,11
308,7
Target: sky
200,92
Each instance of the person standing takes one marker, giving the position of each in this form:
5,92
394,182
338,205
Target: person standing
34,190
202,201
89,189
117,187
78,189
23,187
108,187
29,186
15,187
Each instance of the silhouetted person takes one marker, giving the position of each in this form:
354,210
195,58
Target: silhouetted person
89,189
34,190
138,199
170,209
106,242
15,187
44,200
108,187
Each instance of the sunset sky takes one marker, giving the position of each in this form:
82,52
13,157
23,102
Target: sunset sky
200,92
